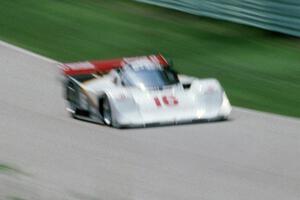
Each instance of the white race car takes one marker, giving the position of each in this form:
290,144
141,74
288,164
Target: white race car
140,91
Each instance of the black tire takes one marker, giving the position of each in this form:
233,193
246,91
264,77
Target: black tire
70,93
106,111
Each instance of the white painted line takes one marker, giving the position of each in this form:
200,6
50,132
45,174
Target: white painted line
5,44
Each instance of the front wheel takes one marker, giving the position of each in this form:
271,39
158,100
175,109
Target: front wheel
106,111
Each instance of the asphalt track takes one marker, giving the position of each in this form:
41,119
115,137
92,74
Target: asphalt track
253,156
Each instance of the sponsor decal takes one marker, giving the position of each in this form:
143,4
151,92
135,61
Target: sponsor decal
166,100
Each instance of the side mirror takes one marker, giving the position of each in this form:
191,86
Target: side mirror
122,83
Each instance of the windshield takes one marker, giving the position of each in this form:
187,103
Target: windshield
149,78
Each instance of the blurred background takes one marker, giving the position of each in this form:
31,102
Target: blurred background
251,46
259,67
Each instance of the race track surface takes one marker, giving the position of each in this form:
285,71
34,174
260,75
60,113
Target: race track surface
254,156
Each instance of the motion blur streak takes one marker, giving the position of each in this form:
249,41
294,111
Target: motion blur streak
271,15
253,156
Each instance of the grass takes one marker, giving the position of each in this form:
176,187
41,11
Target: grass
6,168
258,69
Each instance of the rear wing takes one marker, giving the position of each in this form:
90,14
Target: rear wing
104,66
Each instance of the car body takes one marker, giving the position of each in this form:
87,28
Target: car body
140,91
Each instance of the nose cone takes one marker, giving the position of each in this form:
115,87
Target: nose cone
209,104
160,106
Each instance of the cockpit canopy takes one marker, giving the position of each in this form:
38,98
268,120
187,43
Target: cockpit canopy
145,74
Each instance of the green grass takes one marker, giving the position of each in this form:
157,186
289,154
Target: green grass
258,69
6,168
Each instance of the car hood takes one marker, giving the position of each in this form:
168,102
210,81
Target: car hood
175,105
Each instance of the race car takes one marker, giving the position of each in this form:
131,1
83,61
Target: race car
140,91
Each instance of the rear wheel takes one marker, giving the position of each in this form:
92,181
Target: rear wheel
70,91
70,97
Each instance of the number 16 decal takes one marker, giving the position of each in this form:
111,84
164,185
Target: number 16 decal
166,100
